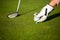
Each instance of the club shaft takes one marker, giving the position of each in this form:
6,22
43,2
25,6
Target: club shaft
18,5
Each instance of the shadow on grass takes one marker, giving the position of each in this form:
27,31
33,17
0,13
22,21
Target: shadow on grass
27,12
53,16
32,10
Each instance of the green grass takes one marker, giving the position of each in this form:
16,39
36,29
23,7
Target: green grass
23,27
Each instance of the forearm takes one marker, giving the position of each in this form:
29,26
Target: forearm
53,3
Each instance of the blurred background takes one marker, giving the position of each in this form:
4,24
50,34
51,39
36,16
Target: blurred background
23,27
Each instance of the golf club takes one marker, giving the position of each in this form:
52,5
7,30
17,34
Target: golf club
15,14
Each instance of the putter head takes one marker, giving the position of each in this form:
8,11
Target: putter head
13,15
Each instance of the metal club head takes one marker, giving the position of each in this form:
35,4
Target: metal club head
13,15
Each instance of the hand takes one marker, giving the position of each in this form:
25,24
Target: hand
42,15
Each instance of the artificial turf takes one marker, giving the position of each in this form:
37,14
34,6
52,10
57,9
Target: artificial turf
23,27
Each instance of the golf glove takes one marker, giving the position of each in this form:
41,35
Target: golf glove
42,15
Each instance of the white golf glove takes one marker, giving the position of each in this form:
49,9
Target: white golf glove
42,15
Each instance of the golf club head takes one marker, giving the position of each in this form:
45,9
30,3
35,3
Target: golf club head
13,15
